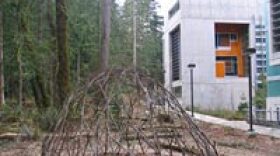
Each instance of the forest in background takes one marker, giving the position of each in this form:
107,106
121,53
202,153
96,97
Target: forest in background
51,47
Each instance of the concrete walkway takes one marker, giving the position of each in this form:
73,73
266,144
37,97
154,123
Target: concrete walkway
241,125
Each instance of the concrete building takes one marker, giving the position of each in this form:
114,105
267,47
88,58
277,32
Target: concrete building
273,100
212,34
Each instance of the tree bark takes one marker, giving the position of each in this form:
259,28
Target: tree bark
134,35
106,30
21,27
39,91
78,67
50,17
40,79
63,63
52,88
2,99
20,86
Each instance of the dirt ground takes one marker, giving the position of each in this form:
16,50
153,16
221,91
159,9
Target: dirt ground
230,142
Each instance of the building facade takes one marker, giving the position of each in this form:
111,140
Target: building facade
261,47
273,100
213,34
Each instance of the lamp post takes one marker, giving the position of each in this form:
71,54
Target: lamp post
249,53
191,66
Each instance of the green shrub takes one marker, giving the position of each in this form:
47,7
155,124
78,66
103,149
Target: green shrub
261,94
226,114
47,119
243,107
11,113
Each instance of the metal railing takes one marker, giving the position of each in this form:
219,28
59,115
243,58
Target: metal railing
264,117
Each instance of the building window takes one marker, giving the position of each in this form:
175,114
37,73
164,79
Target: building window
230,65
233,37
261,70
261,63
275,16
260,40
174,10
260,48
260,33
261,56
223,40
260,26
175,38
177,91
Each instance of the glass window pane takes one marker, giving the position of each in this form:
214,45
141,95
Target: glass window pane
233,37
230,65
223,40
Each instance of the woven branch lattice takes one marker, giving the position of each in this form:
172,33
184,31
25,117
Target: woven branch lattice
123,112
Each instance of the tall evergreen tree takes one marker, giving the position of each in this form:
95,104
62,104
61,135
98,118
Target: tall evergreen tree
2,101
149,34
63,60
106,31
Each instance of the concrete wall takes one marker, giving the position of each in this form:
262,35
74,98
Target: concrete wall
225,10
197,19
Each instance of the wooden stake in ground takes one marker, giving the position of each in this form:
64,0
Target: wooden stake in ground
106,30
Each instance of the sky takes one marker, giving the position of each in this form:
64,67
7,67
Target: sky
164,5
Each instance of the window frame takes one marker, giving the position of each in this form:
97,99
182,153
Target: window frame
175,76
225,59
225,48
178,91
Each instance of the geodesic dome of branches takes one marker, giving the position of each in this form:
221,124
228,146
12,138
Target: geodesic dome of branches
125,112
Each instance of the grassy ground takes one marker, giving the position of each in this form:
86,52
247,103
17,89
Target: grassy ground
229,115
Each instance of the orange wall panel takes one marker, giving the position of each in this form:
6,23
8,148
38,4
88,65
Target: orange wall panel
220,69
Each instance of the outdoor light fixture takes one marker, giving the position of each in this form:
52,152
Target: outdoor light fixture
191,66
249,53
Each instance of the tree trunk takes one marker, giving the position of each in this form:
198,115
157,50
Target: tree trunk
39,91
134,35
53,56
79,68
39,78
63,63
36,93
50,17
20,86
21,27
106,25
2,99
